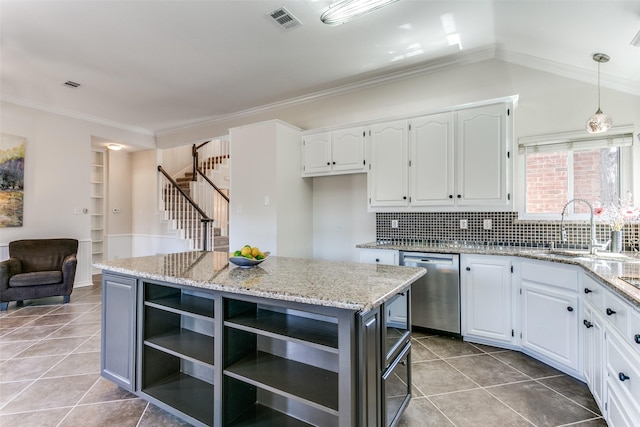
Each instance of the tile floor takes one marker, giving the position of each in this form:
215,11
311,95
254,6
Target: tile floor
50,363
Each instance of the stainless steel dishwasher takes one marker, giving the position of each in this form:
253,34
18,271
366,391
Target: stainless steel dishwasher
435,297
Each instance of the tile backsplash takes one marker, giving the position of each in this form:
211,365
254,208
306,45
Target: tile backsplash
506,228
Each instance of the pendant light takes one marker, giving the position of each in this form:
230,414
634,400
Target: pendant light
599,122
348,10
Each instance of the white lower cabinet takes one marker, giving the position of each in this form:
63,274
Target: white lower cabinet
486,298
561,316
593,351
549,320
623,382
549,313
379,256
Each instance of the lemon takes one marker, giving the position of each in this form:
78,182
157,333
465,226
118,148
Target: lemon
255,251
245,251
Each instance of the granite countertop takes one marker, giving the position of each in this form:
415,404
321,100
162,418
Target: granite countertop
345,285
607,271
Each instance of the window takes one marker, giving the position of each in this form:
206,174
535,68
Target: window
558,169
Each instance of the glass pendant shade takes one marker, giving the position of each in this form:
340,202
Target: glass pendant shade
599,122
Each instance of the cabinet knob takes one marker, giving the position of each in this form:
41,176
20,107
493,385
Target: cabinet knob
451,196
377,259
328,163
636,338
334,163
569,308
622,376
587,324
587,291
459,196
404,197
610,312
468,268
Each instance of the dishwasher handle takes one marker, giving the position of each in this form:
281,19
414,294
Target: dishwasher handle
428,260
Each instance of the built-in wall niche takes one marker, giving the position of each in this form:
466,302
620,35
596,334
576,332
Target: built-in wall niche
97,207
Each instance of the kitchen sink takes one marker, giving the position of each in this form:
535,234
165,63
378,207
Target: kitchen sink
584,254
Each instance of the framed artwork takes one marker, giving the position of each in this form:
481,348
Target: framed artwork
11,180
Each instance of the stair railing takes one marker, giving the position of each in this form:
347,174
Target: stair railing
192,219
207,156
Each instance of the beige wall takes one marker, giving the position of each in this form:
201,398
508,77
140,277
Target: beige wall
57,170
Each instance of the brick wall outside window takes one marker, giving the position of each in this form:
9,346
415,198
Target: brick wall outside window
595,175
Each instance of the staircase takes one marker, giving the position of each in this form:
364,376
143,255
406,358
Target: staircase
206,196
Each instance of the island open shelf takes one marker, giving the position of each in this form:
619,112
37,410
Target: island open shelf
240,347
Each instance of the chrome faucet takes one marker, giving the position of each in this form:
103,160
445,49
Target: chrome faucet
593,244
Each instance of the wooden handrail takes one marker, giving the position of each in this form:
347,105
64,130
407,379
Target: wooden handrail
212,184
185,195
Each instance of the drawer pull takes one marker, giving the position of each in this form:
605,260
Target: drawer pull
636,338
587,291
610,312
569,308
622,376
587,324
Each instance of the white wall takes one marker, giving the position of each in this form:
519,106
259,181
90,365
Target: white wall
57,171
270,203
340,217
547,104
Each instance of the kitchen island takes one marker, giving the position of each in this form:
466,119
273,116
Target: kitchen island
288,342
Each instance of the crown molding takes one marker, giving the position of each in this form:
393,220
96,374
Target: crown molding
569,71
435,65
77,115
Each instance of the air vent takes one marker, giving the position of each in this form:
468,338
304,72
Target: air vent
72,85
284,19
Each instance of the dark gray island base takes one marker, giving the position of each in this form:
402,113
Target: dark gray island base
291,342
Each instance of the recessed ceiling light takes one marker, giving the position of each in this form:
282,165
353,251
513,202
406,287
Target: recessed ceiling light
114,147
72,85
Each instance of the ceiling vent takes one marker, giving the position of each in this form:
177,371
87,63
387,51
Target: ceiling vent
71,84
284,19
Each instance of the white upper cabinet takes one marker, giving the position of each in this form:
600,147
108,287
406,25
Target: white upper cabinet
332,153
483,157
316,154
388,177
457,160
347,150
431,170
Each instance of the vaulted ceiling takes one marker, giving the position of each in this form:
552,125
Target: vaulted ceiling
156,66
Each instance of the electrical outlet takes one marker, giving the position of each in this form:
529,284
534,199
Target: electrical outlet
394,223
464,224
486,224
